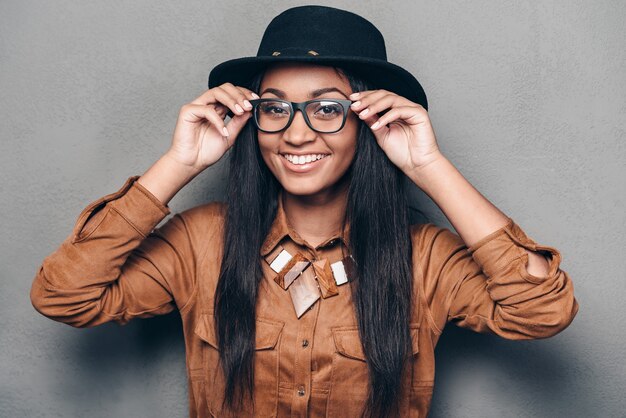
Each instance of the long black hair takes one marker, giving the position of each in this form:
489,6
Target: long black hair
380,244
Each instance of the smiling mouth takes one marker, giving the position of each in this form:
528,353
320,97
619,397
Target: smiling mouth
303,159
303,164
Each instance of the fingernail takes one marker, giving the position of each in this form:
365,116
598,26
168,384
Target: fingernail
247,104
356,104
239,108
354,95
255,96
365,112
374,126
225,131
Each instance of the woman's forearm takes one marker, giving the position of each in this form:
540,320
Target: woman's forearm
472,215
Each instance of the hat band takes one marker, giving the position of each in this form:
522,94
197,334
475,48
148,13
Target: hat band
294,52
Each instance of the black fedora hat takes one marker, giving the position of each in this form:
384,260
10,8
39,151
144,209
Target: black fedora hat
325,36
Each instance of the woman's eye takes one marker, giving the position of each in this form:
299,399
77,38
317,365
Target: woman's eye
328,110
273,110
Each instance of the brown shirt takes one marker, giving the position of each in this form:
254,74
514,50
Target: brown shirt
115,266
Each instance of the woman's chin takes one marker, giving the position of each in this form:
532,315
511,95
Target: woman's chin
302,188
313,187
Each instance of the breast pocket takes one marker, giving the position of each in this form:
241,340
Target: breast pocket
350,375
265,370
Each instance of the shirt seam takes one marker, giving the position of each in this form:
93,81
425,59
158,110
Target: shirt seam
491,236
429,315
431,320
126,311
160,205
187,304
464,316
129,222
77,238
193,297
503,268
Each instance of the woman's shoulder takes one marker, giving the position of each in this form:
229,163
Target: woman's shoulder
204,219
208,210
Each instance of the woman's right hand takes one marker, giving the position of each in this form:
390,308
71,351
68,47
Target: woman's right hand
201,137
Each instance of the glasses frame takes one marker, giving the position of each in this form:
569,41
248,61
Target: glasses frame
301,106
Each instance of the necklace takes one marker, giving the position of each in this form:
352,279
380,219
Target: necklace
307,280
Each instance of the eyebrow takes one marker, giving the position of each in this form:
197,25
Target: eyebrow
312,94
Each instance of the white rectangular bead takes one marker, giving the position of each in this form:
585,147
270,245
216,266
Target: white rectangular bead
280,261
339,272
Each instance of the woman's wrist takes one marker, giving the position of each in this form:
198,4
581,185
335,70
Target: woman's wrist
166,177
428,174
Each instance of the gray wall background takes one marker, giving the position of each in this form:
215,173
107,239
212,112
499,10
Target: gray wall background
527,100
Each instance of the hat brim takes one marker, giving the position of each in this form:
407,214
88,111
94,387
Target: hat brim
382,74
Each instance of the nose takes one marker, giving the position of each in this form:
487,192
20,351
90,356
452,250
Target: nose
299,132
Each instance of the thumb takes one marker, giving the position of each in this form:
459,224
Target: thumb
236,123
378,133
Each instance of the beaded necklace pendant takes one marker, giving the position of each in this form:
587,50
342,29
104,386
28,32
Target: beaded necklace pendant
307,280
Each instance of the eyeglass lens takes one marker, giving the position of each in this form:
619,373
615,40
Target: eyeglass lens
324,116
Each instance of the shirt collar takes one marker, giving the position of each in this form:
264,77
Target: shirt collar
281,228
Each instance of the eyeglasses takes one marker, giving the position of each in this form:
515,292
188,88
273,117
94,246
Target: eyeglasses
321,115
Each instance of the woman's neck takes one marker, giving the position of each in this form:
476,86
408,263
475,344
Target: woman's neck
316,218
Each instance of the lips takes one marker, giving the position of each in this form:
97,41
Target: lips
303,158
302,168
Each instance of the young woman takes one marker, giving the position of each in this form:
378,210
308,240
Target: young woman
307,293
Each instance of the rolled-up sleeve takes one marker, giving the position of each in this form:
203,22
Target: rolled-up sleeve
115,266
487,288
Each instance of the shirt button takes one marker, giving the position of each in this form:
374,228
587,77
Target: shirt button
301,391
305,343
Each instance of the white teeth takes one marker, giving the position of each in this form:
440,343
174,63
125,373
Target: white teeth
303,159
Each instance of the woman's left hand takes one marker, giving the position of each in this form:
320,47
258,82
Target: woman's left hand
408,140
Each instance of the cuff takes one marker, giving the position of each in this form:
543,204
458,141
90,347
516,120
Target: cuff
140,208
509,243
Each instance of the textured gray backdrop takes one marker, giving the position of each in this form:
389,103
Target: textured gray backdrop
527,100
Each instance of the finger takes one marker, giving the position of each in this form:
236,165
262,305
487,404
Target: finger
240,96
224,95
205,98
379,100
362,105
220,109
239,103
372,95
194,113
368,97
235,125
359,95
381,132
409,114
228,95
249,93
380,128
364,108
371,119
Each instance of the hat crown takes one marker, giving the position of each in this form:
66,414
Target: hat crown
323,35
321,31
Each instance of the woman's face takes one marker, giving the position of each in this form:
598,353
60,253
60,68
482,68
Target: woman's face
298,83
